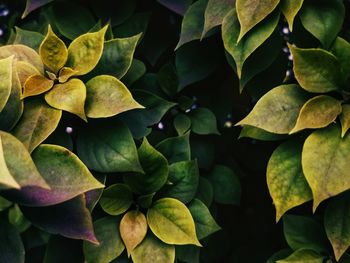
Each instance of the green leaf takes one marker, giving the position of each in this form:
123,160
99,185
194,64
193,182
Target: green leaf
145,201
28,38
303,256
317,112
184,177
290,9
17,167
107,96
182,123
205,191
69,96
135,24
345,119
205,223
5,80
175,149
304,233
11,246
133,229
155,168
111,245
85,51
152,250
252,12
203,121
259,134
36,124
244,48
53,51
137,70
316,70
36,85
341,49
226,185
323,19
192,23
285,179
188,253
280,255
171,221
168,79
116,199
325,163
117,56
16,218
215,12
108,148
277,111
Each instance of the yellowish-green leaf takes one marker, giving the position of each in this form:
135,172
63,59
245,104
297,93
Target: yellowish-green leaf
28,38
152,250
85,51
337,223
116,199
326,165
107,96
69,96
277,111
303,256
285,179
290,9
345,119
36,124
23,53
6,179
316,70
5,80
317,112
65,73
252,12
25,70
133,229
35,85
53,51
171,221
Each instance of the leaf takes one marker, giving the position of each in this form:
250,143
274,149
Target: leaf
69,96
70,219
277,111
145,201
215,12
205,223
116,199
85,51
182,124
117,56
304,233
108,148
259,134
325,163
56,246
280,255
285,179
252,12
175,149
188,253
65,73
290,9
5,80
317,112
107,96
18,169
171,221
16,218
184,177
152,250
337,224
242,50
37,123
36,85
133,229
67,176
11,246
345,119
303,256
226,185
137,70
323,19
53,51
205,191
192,23
28,38
203,121
93,196
341,49
155,168
31,5
24,71
111,245
316,70
177,6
